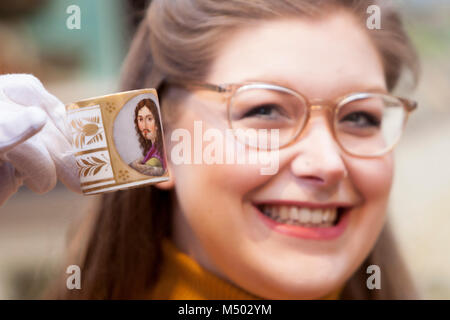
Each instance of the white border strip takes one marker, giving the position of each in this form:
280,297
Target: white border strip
126,185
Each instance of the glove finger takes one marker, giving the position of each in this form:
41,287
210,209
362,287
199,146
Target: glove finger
34,164
17,126
61,153
10,183
27,90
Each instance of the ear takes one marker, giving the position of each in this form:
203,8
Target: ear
169,184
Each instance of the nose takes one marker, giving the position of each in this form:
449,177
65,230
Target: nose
318,158
147,125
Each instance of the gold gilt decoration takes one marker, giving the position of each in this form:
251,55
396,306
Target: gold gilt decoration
87,131
90,166
109,106
123,175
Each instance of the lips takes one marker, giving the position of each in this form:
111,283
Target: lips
305,220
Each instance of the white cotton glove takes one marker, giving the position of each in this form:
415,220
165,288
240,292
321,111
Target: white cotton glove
35,139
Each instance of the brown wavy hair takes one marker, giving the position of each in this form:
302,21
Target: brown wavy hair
147,144
121,256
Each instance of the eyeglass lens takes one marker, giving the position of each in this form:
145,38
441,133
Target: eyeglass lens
365,125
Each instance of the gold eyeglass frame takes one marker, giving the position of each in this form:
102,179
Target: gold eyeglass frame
232,89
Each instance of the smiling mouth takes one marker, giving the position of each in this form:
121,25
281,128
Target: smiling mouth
307,217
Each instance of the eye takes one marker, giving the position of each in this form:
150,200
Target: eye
361,119
265,110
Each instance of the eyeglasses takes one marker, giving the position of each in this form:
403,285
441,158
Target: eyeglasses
364,124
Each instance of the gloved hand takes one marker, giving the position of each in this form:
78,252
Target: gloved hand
35,139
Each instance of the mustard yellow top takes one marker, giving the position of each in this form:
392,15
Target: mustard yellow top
182,278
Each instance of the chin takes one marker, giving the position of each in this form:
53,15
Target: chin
300,289
317,287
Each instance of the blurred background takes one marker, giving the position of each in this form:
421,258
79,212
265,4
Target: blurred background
79,63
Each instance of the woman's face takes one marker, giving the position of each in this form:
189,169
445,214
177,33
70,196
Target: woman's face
146,124
224,231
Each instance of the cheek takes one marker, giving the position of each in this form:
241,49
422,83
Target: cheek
151,125
210,170
373,177
225,183
212,194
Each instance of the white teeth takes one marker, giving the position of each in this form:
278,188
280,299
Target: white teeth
333,215
327,215
293,213
305,215
317,217
284,213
